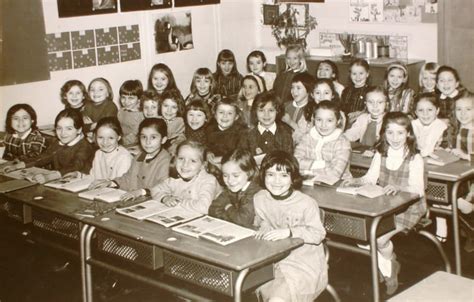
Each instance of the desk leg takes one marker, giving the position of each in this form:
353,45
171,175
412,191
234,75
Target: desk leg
457,244
84,229
87,274
373,257
238,285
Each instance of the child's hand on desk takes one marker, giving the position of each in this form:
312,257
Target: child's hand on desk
170,201
368,153
39,178
99,183
70,175
14,166
274,235
459,153
390,190
131,195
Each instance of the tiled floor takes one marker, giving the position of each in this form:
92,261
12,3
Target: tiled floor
25,273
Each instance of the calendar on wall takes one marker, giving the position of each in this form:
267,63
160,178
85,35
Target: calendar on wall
93,47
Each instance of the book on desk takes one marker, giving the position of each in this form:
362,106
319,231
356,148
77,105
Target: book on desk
71,184
442,158
28,173
367,190
108,195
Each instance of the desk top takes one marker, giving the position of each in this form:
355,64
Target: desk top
440,286
329,199
450,172
242,254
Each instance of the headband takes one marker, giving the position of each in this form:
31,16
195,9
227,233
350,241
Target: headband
400,66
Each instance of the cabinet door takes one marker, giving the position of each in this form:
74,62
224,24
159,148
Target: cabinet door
179,3
456,38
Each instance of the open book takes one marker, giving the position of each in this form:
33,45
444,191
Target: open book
71,184
103,194
15,184
368,190
28,173
321,179
443,157
213,229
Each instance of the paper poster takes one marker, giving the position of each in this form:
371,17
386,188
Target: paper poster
359,11
398,47
173,32
392,11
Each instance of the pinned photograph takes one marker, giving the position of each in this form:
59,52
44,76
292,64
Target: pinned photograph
173,32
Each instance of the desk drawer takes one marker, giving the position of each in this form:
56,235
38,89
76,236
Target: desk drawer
56,224
133,251
16,211
210,276
355,227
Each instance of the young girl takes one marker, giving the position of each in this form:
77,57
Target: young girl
324,91
252,85
74,95
71,152
150,104
23,142
203,87
448,83
161,79
256,64
295,64
328,70
130,115
353,96
301,87
366,128
197,115
268,133
283,212
171,109
223,133
429,130
428,77
149,167
101,104
235,203
194,188
324,150
227,76
396,167
396,83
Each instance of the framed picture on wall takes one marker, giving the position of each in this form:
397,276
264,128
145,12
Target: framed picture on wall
270,13
301,13
135,5
76,8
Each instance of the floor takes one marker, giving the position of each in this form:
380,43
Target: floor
26,273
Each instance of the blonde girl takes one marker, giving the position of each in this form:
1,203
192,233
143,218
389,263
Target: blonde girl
427,77
203,87
161,79
295,64
101,103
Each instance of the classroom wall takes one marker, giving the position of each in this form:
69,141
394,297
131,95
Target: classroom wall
333,16
210,25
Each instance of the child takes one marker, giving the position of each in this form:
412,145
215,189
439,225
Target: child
71,152
324,91
268,133
428,128
328,70
23,141
130,115
74,95
302,85
366,128
295,64
252,85
235,203
448,83
171,110
197,115
150,104
223,133
161,79
101,104
194,188
149,167
283,212
396,83
396,167
353,96
256,64
428,77
227,76
324,150
203,87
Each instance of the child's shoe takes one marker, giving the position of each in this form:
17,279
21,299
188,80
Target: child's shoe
391,282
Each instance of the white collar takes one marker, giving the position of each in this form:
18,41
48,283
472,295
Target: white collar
452,95
300,106
272,128
399,153
25,135
245,187
74,141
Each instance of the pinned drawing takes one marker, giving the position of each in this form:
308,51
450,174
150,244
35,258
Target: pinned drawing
173,32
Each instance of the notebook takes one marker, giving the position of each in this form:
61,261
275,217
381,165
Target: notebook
368,190
71,184
103,194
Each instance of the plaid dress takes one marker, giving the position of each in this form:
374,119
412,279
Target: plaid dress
399,178
24,149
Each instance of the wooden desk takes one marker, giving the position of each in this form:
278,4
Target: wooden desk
442,188
440,286
378,68
228,270
359,218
